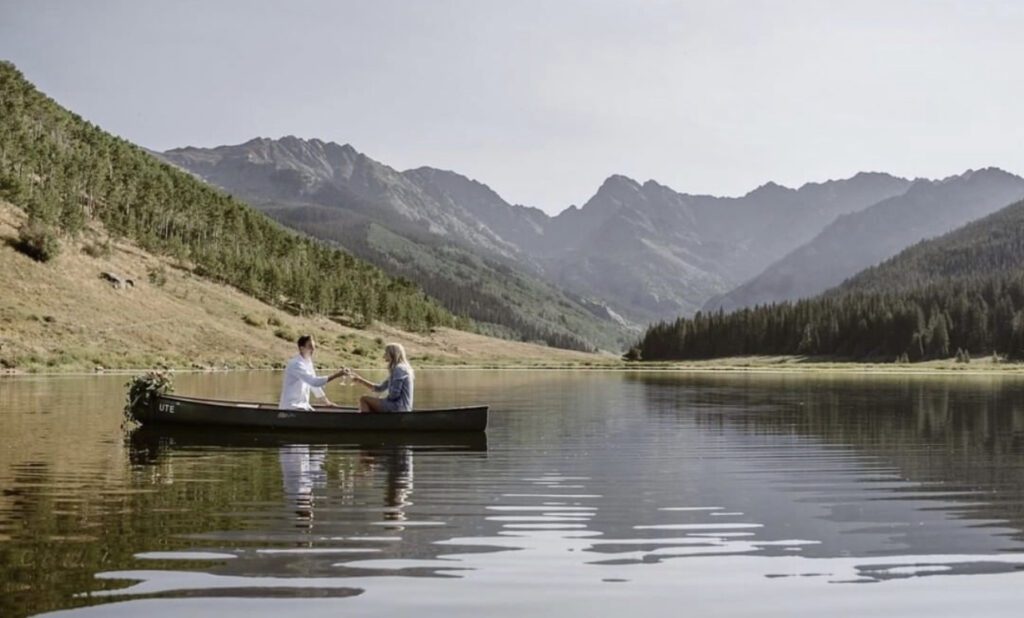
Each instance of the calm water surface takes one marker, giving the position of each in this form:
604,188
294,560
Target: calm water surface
593,493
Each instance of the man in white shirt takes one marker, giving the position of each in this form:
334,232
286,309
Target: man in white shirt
300,378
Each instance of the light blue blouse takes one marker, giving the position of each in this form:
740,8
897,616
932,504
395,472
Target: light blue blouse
399,387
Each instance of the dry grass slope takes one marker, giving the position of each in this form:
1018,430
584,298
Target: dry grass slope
62,316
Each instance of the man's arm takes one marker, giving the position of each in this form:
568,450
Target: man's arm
302,372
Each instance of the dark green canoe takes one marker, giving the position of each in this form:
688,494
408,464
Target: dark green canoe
177,410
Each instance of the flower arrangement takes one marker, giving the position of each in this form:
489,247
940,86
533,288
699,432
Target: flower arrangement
143,388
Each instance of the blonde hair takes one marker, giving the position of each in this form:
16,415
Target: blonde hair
395,354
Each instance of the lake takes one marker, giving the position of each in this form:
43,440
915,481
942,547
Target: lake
592,493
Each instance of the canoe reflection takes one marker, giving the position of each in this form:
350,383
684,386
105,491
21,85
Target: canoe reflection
148,442
358,462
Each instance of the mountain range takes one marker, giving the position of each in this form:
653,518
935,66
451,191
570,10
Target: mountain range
633,253
862,239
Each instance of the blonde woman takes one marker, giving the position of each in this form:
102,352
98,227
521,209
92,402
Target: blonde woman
397,388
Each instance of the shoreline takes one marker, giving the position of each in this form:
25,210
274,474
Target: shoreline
745,365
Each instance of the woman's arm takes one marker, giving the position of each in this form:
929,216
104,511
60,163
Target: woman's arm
368,384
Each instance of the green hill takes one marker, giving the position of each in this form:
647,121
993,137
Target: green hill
66,173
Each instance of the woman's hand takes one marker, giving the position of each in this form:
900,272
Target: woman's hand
358,378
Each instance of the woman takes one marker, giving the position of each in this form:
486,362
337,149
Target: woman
398,387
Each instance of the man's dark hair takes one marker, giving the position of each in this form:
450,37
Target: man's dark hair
304,340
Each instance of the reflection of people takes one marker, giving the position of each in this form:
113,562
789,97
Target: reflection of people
399,483
301,471
397,388
300,378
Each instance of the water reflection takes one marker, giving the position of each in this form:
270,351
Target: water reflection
595,492
344,497
301,471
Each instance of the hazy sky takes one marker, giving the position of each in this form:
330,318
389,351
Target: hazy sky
543,100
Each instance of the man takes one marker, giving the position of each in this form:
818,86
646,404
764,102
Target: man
300,378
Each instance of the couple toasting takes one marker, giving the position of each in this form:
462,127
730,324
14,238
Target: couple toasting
300,379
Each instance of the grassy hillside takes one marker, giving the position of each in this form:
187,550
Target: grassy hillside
66,174
61,316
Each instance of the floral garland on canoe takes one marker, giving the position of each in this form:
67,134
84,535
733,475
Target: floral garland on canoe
142,389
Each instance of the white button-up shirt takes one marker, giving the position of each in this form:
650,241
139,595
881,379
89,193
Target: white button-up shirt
299,380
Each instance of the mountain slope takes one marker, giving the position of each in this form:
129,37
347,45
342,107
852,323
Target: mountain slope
857,241
502,300
990,246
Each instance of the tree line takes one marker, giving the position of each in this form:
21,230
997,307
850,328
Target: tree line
977,314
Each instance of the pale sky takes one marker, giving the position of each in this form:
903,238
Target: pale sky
542,100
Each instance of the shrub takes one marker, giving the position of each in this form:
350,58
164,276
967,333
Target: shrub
284,333
98,249
158,275
252,321
38,241
274,321
634,354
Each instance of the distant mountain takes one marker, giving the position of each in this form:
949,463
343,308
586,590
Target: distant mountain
638,247
772,220
311,171
633,253
654,253
859,240
434,227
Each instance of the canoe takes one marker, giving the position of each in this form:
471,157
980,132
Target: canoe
178,410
